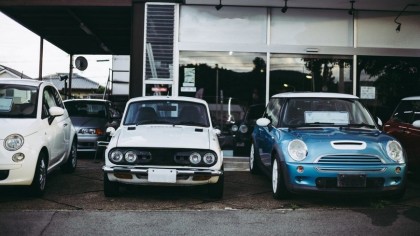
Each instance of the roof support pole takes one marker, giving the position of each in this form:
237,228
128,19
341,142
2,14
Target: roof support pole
41,56
137,48
70,77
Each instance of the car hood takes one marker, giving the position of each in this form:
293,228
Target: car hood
24,127
167,136
324,134
88,122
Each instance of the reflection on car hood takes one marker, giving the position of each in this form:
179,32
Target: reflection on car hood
322,134
88,122
23,127
164,136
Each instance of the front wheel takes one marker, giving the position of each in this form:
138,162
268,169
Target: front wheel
71,163
253,168
111,189
37,187
279,187
216,190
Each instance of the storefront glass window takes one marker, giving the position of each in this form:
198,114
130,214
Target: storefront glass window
384,81
310,73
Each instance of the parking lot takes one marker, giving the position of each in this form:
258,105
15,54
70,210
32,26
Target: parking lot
83,190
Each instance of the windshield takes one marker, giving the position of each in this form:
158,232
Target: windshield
18,101
302,112
86,109
167,112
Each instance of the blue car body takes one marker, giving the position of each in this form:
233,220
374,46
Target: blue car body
341,150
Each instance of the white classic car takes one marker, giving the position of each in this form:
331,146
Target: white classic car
36,132
164,141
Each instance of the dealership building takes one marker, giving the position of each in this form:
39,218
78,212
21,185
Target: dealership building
242,49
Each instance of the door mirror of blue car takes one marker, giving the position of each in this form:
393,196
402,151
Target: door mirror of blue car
263,122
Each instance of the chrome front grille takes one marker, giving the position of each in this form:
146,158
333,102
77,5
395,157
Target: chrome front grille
342,163
349,160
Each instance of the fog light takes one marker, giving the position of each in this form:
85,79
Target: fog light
398,170
299,169
18,157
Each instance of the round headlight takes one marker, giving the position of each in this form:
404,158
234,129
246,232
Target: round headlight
130,157
116,156
297,150
395,151
13,142
195,158
209,158
243,129
234,128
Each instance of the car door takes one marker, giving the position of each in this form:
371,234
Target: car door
266,135
59,127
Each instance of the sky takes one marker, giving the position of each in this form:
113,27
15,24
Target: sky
20,49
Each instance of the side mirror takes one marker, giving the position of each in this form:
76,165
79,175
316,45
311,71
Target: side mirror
379,122
110,131
263,122
217,131
56,111
416,123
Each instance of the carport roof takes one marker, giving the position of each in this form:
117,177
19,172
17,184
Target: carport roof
76,26
104,26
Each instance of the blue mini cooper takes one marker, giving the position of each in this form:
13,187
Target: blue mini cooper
325,142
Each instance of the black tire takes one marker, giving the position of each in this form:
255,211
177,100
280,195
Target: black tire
111,189
71,163
253,167
37,187
277,181
216,190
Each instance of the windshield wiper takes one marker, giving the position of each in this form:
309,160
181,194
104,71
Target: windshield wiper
192,123
360,125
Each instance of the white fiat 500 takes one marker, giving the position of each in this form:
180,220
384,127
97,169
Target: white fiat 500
36,133
164,141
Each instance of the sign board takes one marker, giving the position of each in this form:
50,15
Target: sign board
367,92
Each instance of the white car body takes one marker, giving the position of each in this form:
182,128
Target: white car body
163,136
48,133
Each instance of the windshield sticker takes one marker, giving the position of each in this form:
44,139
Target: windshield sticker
336,117
6,104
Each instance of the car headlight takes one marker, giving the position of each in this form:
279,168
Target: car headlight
209,158
195,158
243,129
96,131
116,156
130,157
297,150
13,142
395,151
234,128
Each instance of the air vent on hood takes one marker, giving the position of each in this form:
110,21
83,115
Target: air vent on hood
348,145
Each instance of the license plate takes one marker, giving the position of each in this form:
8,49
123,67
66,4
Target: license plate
351,181
162,175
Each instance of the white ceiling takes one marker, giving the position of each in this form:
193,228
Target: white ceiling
365,5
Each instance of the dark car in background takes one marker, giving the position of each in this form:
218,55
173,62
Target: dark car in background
91,118
242,130
404,125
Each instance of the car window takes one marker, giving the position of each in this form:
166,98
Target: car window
86,108
18,101
407,111
272,111
167,112
325,111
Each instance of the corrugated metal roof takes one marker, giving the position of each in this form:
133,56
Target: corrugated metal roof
77,81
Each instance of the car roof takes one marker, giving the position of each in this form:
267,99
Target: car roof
411,98
30,82
167,98
86,100
314,95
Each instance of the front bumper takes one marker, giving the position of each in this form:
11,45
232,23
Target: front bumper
88,143
350,179
21,173
143,175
